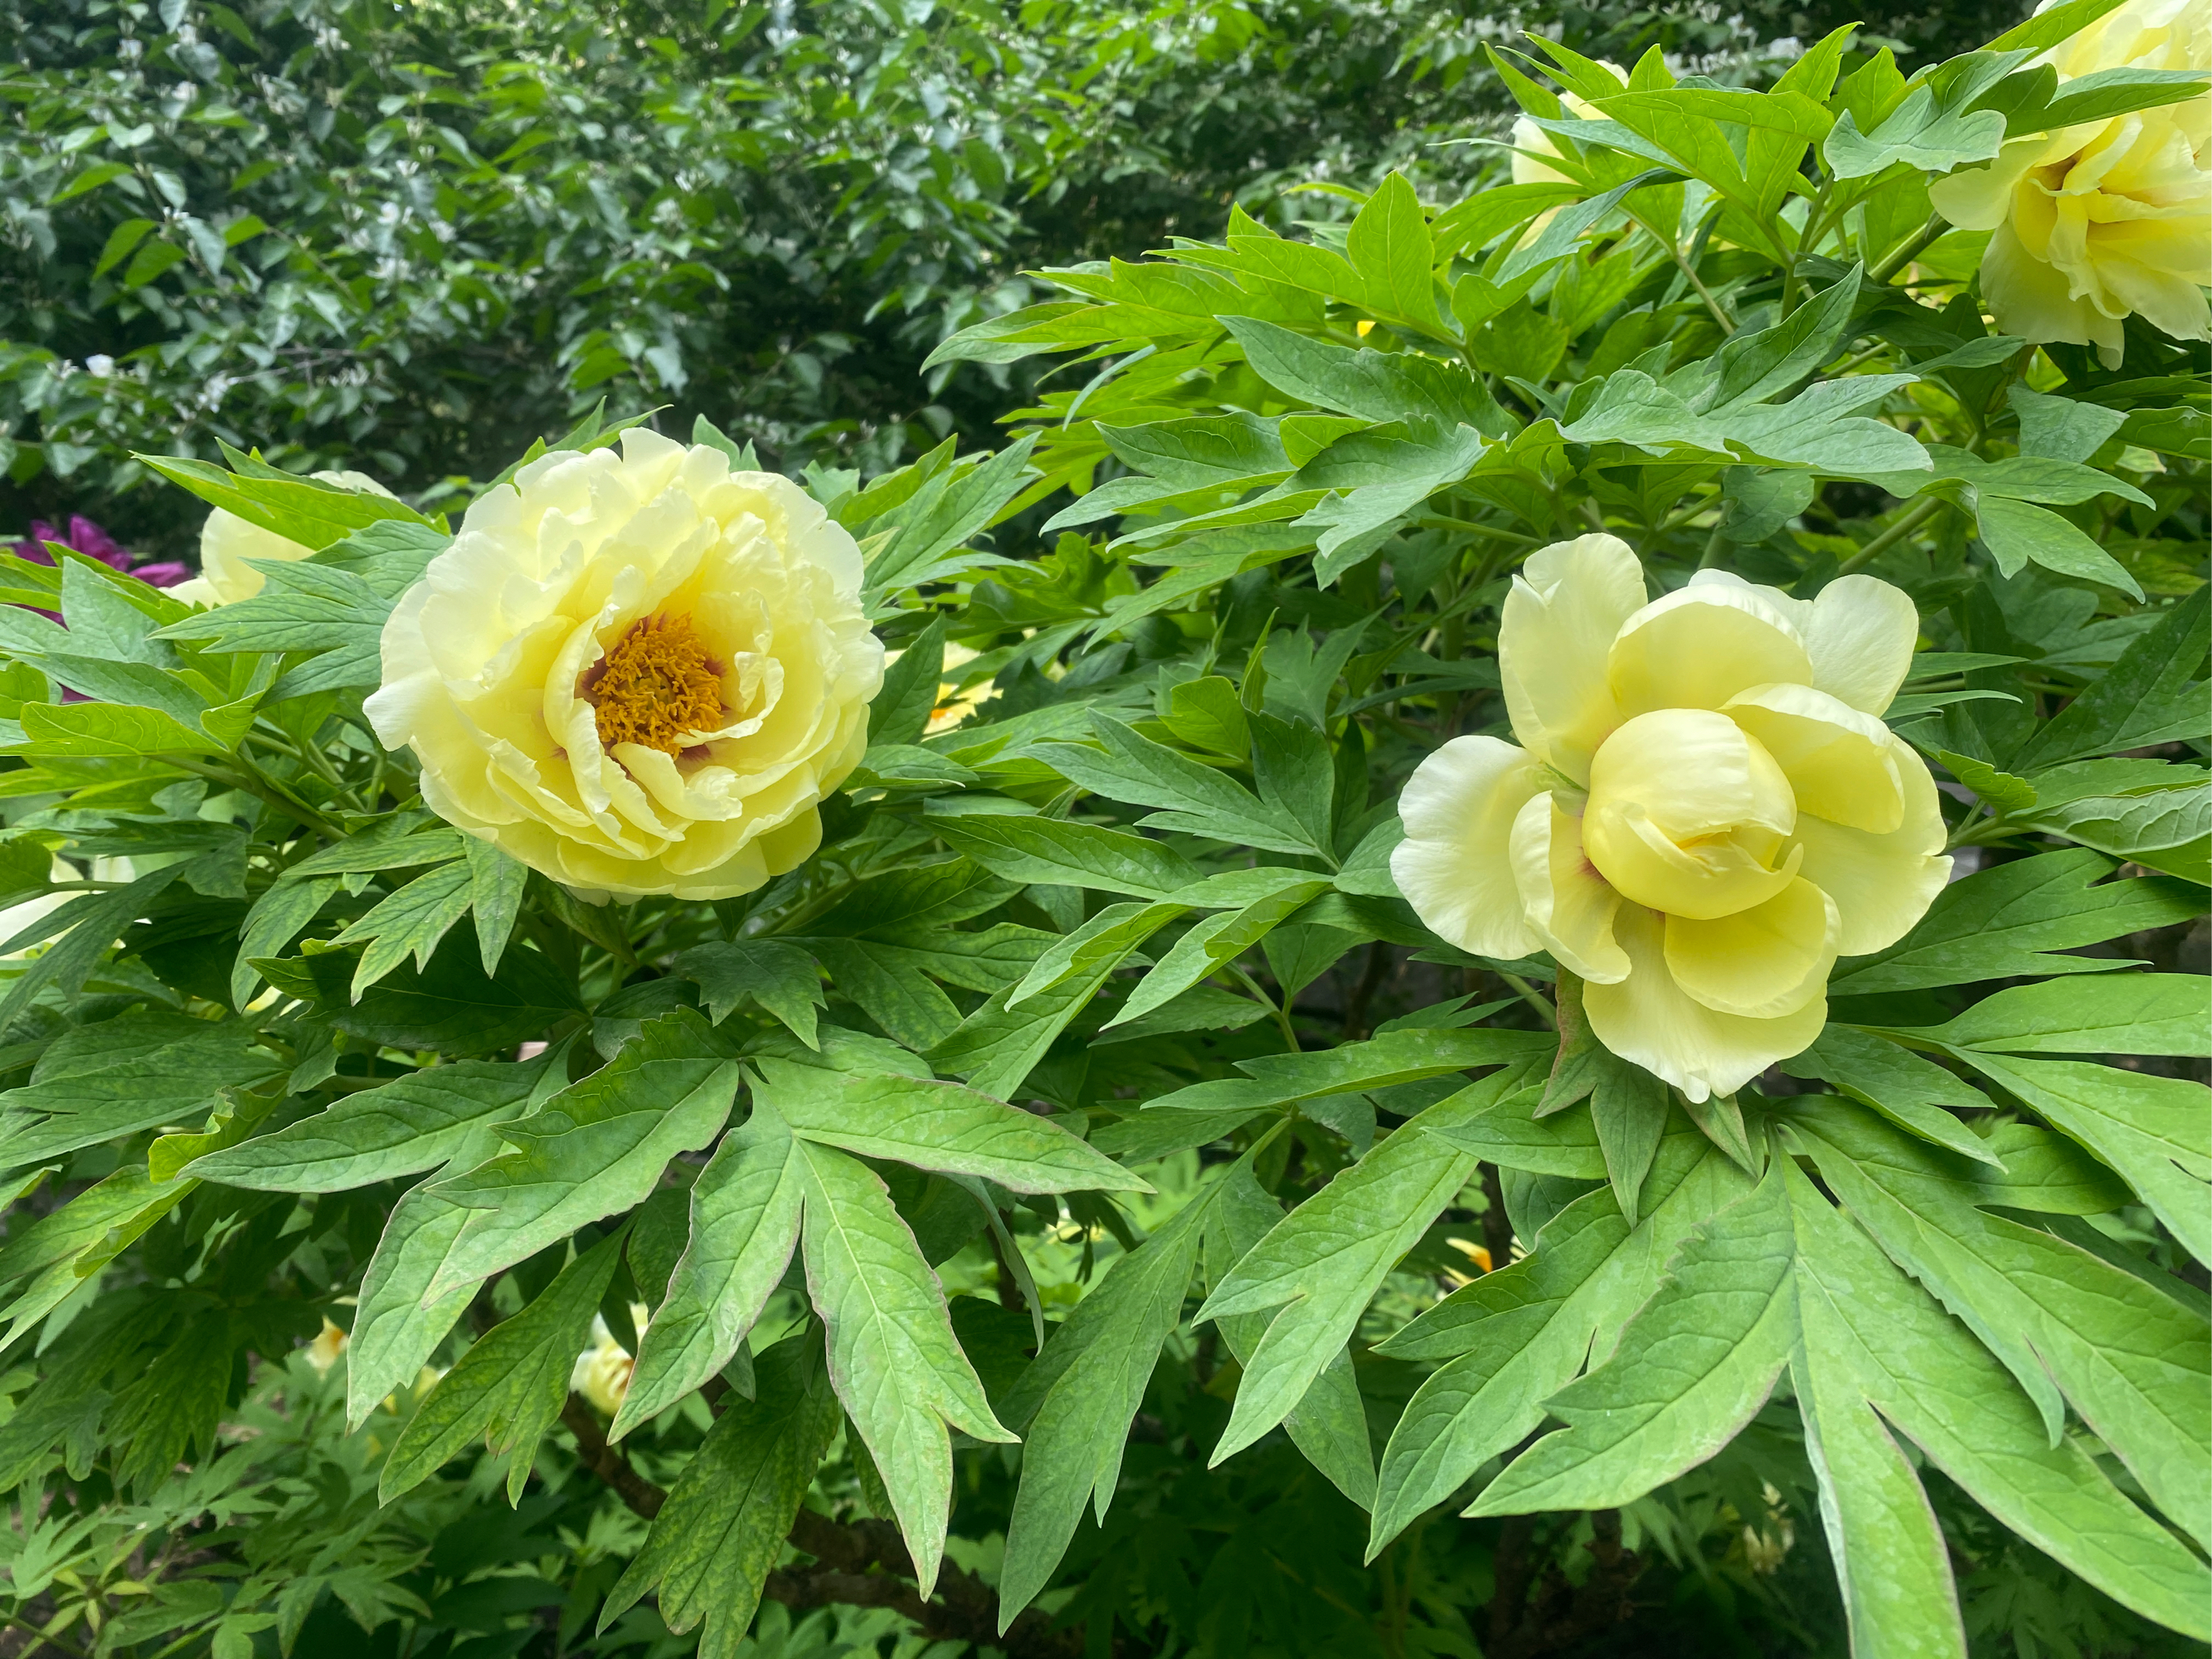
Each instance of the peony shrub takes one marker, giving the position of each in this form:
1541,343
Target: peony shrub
1528,872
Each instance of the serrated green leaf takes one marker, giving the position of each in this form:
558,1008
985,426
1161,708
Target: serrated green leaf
2008,922
496,887
745,1225
712,1545
593,1150
1066,852
413,1123
893,1358
2120,1014
778,978
509,1386
100,1083
1910,1091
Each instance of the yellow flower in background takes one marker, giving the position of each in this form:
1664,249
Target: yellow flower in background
602,1371
2093,223
1706,811
329,1344
636,672
954,705
1529,169
228,542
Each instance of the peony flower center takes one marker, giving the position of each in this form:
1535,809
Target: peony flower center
1688,814
657,685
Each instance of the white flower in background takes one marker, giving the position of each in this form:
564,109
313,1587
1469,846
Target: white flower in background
1706,811
637,672
602,1371
2093,223
228,542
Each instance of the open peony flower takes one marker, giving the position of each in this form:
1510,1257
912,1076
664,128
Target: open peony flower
2097,222
1706,812
228,542
636,672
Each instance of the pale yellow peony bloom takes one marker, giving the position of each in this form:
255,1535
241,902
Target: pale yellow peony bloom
228,542
329,1344
1528,135
636,672
602,1371
1705,811
2094,222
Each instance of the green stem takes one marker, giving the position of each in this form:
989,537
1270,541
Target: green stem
1902,255
1280,1010
1913,517
1726,322
1534,998
39,1635
263,787
1469,527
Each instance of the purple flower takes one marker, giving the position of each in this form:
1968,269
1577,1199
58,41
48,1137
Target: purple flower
94,542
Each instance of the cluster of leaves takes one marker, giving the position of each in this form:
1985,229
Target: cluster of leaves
1101,999
345,233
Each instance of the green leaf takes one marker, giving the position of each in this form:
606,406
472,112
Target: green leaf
413,1123
2150,696
100,1083
1693,1367
1514,1337
1329,1423
942,516
2132,1361
508,1389
92,921
1213,944
901,709
308,511
60,1250
1752,367
2155,1131
1193,798
410,922
2061,428
2005,922
1374,386
779,979
2016,532
1066,853
997,1047
1389,245
745,1225
451,1006
2002,790
893,1358
1105,940
1628,1106
495,884
937,1126
712,1544
1927,1374
1326,1258
2122,1014
1075,1404
593,1150
1911,1092
399,1322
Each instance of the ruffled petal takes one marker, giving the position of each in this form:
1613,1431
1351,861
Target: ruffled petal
1860,632
1566,604
1762,962
1881,884
1841,764
1568,905
1648,1020
1455,865
1699,646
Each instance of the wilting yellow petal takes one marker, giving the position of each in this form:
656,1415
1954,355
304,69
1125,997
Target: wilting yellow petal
1699,646
1841,764
1762,962
1455,865
1881,884
1566,604
1567,903
1649,1020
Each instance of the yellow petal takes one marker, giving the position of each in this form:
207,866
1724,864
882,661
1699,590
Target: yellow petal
1648,1020
1762,962
1569,906
1455,865
1881,884
1841,764
1978,198
1567,604
1860,632
1698,646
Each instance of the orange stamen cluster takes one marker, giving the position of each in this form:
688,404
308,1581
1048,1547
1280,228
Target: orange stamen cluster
657,685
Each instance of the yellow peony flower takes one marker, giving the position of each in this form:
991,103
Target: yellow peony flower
1706,812
226,542
636,672
2097,222
1528,135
